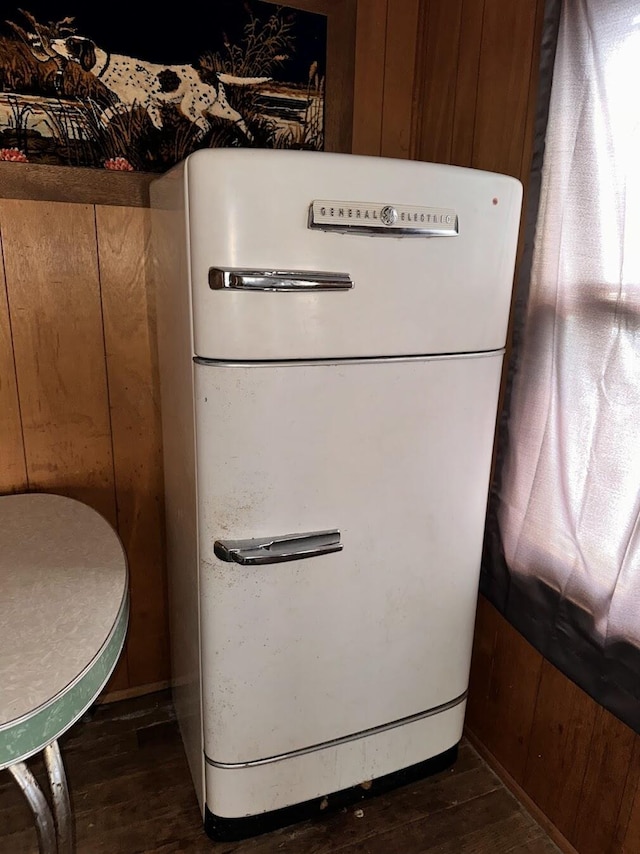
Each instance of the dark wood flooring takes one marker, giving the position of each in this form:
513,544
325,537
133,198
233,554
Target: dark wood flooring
132,793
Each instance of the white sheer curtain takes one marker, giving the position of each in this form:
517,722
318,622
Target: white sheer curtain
569,502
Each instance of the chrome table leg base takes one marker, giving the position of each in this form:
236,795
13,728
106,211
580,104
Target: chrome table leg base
55,832
39,807
60,798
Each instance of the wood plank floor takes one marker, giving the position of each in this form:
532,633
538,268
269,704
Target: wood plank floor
131,793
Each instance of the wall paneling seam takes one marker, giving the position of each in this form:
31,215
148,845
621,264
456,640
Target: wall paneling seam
15,368
475,112
124,658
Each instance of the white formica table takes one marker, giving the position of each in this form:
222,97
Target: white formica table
64,610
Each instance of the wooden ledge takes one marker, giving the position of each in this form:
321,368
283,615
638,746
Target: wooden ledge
74,184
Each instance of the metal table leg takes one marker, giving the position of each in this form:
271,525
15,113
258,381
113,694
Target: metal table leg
60,797
39,806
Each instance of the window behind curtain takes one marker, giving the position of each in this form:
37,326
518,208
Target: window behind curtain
564,521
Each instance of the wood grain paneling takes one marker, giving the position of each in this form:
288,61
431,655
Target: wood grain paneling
339,86
627,835
559,747
439,55
464,121
39,182
371,31
484,644
582,772
504,72
532,104
603,785
477,83
51,268
399,74
522,796
502,716
13,472
131,353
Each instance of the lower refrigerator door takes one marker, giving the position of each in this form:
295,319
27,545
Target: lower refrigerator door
323,671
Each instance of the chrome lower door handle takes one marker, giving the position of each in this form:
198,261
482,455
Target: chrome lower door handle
262,550
278,280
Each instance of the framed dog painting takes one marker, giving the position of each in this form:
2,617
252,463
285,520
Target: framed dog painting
141,87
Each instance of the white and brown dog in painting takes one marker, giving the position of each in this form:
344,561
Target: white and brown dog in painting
145,84
197,94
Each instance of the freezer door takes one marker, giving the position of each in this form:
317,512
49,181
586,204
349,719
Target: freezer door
267,284
378,470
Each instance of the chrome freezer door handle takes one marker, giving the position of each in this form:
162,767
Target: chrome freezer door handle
278,280
277,549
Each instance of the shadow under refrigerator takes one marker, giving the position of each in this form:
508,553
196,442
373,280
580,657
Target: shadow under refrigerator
331,331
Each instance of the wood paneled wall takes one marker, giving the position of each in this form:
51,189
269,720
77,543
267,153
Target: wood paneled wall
79,410
576,764
386,58
478,83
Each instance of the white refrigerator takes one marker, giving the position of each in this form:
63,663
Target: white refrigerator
331,331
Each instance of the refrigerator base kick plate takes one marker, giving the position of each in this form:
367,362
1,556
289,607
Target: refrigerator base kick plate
233,829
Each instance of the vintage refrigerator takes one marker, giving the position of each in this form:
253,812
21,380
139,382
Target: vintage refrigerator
331,331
